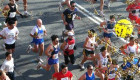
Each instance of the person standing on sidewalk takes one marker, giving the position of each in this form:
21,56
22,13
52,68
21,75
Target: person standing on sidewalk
68,49
68,16
8,66
10,34
37,34
52,52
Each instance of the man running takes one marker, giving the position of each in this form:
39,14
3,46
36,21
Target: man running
63,75
37,34
89,75
10,34
10,11
67,16
52,52
68,49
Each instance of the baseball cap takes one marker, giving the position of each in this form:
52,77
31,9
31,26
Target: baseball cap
70,34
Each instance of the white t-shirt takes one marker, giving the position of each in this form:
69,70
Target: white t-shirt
9,34
8,66
35,30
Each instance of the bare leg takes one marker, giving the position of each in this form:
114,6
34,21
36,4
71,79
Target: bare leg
56,67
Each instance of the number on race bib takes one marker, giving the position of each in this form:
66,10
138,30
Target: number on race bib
12,14
66,78
71,46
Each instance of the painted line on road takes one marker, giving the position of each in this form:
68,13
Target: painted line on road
89,17
88,12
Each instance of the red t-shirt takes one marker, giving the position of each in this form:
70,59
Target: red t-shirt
60,76
134,7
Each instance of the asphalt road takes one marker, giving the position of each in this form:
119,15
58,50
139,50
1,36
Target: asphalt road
47,10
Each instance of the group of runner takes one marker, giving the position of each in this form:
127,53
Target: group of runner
100,60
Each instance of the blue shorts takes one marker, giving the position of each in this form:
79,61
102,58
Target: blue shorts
38,41
53,61
108,35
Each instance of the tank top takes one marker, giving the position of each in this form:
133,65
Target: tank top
12,11
40,32
90,78
70,44
90,43
55,52
103,60
132,49
110,26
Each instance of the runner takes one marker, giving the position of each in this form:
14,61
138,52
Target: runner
8,66
63,3
131,47
68,49
89,75
10,34
102,59
134,10
63,75
109,29
37,34
12,9
67,16
89,47
52,52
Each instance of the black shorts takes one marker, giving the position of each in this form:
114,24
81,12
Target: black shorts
69,26
9,19
10,46
86,52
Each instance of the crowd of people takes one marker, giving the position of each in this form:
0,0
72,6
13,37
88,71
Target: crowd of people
105,66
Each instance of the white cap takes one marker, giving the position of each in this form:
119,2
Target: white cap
70,34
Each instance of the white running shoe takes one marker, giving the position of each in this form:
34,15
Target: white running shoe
60,6
29,49
40,60
82,66
27,14
107,4
38,65
102,14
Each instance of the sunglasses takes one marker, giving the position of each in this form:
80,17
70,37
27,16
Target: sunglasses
90,69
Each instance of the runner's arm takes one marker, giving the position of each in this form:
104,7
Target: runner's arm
49,50
63,45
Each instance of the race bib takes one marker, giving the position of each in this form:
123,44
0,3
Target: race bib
11,35
71,47
111,76
110,30
40,35
12,14
66,78
55,56
73,17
